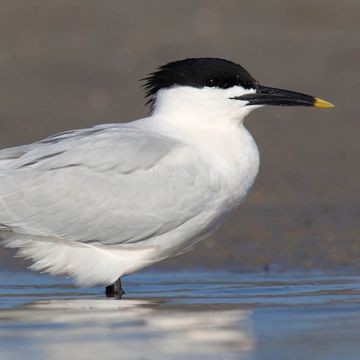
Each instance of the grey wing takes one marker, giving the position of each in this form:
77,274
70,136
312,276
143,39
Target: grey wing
112,186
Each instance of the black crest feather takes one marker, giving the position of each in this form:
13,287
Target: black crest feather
197,72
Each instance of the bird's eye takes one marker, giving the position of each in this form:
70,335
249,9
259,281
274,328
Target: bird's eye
246,84
211,83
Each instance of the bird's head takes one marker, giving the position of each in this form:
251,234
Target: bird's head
215,88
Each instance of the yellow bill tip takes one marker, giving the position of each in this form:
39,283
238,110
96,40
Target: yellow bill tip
320,103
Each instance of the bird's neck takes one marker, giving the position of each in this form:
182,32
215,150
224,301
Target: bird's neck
220,138
214,128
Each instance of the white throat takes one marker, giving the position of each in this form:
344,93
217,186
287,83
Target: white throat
183,106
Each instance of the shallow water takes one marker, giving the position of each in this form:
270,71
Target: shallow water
183,315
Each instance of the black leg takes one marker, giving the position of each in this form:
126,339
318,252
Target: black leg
115,290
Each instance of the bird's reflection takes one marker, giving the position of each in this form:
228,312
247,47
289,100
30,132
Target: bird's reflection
130,329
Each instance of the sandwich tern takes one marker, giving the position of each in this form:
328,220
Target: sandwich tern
99,203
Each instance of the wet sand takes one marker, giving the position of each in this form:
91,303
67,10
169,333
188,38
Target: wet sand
183,315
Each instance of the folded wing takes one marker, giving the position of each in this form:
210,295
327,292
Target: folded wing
109,184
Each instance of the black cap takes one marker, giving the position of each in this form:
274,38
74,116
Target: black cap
199,73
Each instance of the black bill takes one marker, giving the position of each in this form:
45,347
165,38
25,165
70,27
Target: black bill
272,96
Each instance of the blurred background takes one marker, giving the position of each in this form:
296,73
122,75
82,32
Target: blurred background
71,64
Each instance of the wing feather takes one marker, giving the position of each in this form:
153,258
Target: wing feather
118,184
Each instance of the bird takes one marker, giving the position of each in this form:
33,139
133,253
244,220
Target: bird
100,203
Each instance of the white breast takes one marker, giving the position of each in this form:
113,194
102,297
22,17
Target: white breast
231,160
